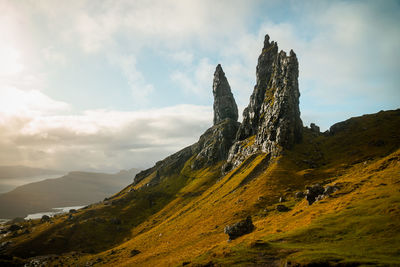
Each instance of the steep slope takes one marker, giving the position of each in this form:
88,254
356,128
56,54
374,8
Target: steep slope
73,189
174,213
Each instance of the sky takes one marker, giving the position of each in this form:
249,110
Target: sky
107,85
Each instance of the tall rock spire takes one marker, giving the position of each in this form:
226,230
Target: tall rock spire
273,115
224,103
280,126
264,70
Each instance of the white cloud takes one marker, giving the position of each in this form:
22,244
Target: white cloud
14,102
96,139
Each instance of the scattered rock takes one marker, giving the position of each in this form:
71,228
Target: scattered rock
313,192
73,211
330,190
45,218
14,227
134,252
282,208
240,228
317,192
299,195
70,217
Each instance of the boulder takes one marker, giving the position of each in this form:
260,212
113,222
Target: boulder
282,208
240,228
330,189
14,227
45,218
313,192
134,252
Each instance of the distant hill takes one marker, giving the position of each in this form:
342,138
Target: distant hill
73,189
13,176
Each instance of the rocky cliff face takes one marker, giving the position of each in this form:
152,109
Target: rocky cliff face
224,104
251,114
272,118
271,122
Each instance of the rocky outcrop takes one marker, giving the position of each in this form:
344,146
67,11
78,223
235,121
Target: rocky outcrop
273,115
224,104
167,166
213,145
240,228
264,71
314,128
318,192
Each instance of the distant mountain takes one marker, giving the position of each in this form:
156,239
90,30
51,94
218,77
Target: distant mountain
13,176
73,189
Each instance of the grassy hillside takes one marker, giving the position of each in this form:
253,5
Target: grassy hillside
180,221
73,189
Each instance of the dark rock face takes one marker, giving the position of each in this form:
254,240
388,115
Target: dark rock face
214,144
251,114
314,128
224,104
273,114
280,123
240,228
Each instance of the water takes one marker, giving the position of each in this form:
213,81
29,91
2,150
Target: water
52,213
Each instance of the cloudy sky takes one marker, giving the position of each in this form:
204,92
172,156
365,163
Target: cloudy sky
108,85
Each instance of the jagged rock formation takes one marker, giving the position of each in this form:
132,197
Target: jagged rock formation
213,145
224,103
273,115
264,70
